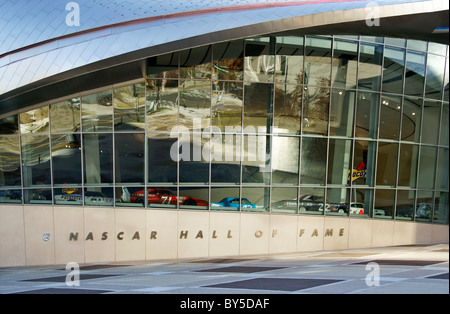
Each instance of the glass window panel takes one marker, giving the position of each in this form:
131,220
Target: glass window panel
256,159
443,140
427,167
129,158
394,63
311,200
345,64
337,203
317,61
228,61
97,112
405,204
162,105
441,207
399,42
65,116
195,104
98,159
436,48
288,108
130,196
316,107
411,119
9,125
225,198
34,121
259,60
407,172
11,196
435,76
70,195
442,171
416,44
10,161
194,160
366,123
99,196
284,200
424,207
387,164
66,150
313,161
341,112
258,107
289,60
193,197
255,199
38,196
161,197
339,162
285,154
35,160
162,166
415,73
446,79
226,158
196,63
430,122
227,103
362,202
390,117
164,66
129,107
370,67
372,39
384,203
363,171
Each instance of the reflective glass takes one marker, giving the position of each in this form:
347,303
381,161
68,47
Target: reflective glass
405,204
162,105
35,160
10,161
427,167
407,172
129,107
435,77
441,211
228,61
416,44
337,203
362,202
196,63
366,121
436,48
34,121
424,206
313,161
339,162
289,60
287,108
194,159
11,196
316,109
129,158
370,67
415,73
162,166
164,66
341,112
364,161
256,159
399,42
227,104
38,196
411,119
99,196
390,110
442,171
430,122
66,150
226,158
384,203
311,201
317,61
70,195
285,160
259,60
387,164
98,159
443,140
195,104
65,116
258,107
255,199
162,197
9,125
225,198
284,200
345,64
394,63
97,112
193,197
132,196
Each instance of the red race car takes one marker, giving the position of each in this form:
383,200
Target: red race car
160,196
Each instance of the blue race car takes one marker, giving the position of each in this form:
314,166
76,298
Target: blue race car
234,202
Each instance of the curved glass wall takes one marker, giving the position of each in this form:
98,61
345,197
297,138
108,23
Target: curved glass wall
313,125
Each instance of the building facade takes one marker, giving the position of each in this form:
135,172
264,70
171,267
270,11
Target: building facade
224,143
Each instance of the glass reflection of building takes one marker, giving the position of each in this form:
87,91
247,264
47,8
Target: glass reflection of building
320,125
